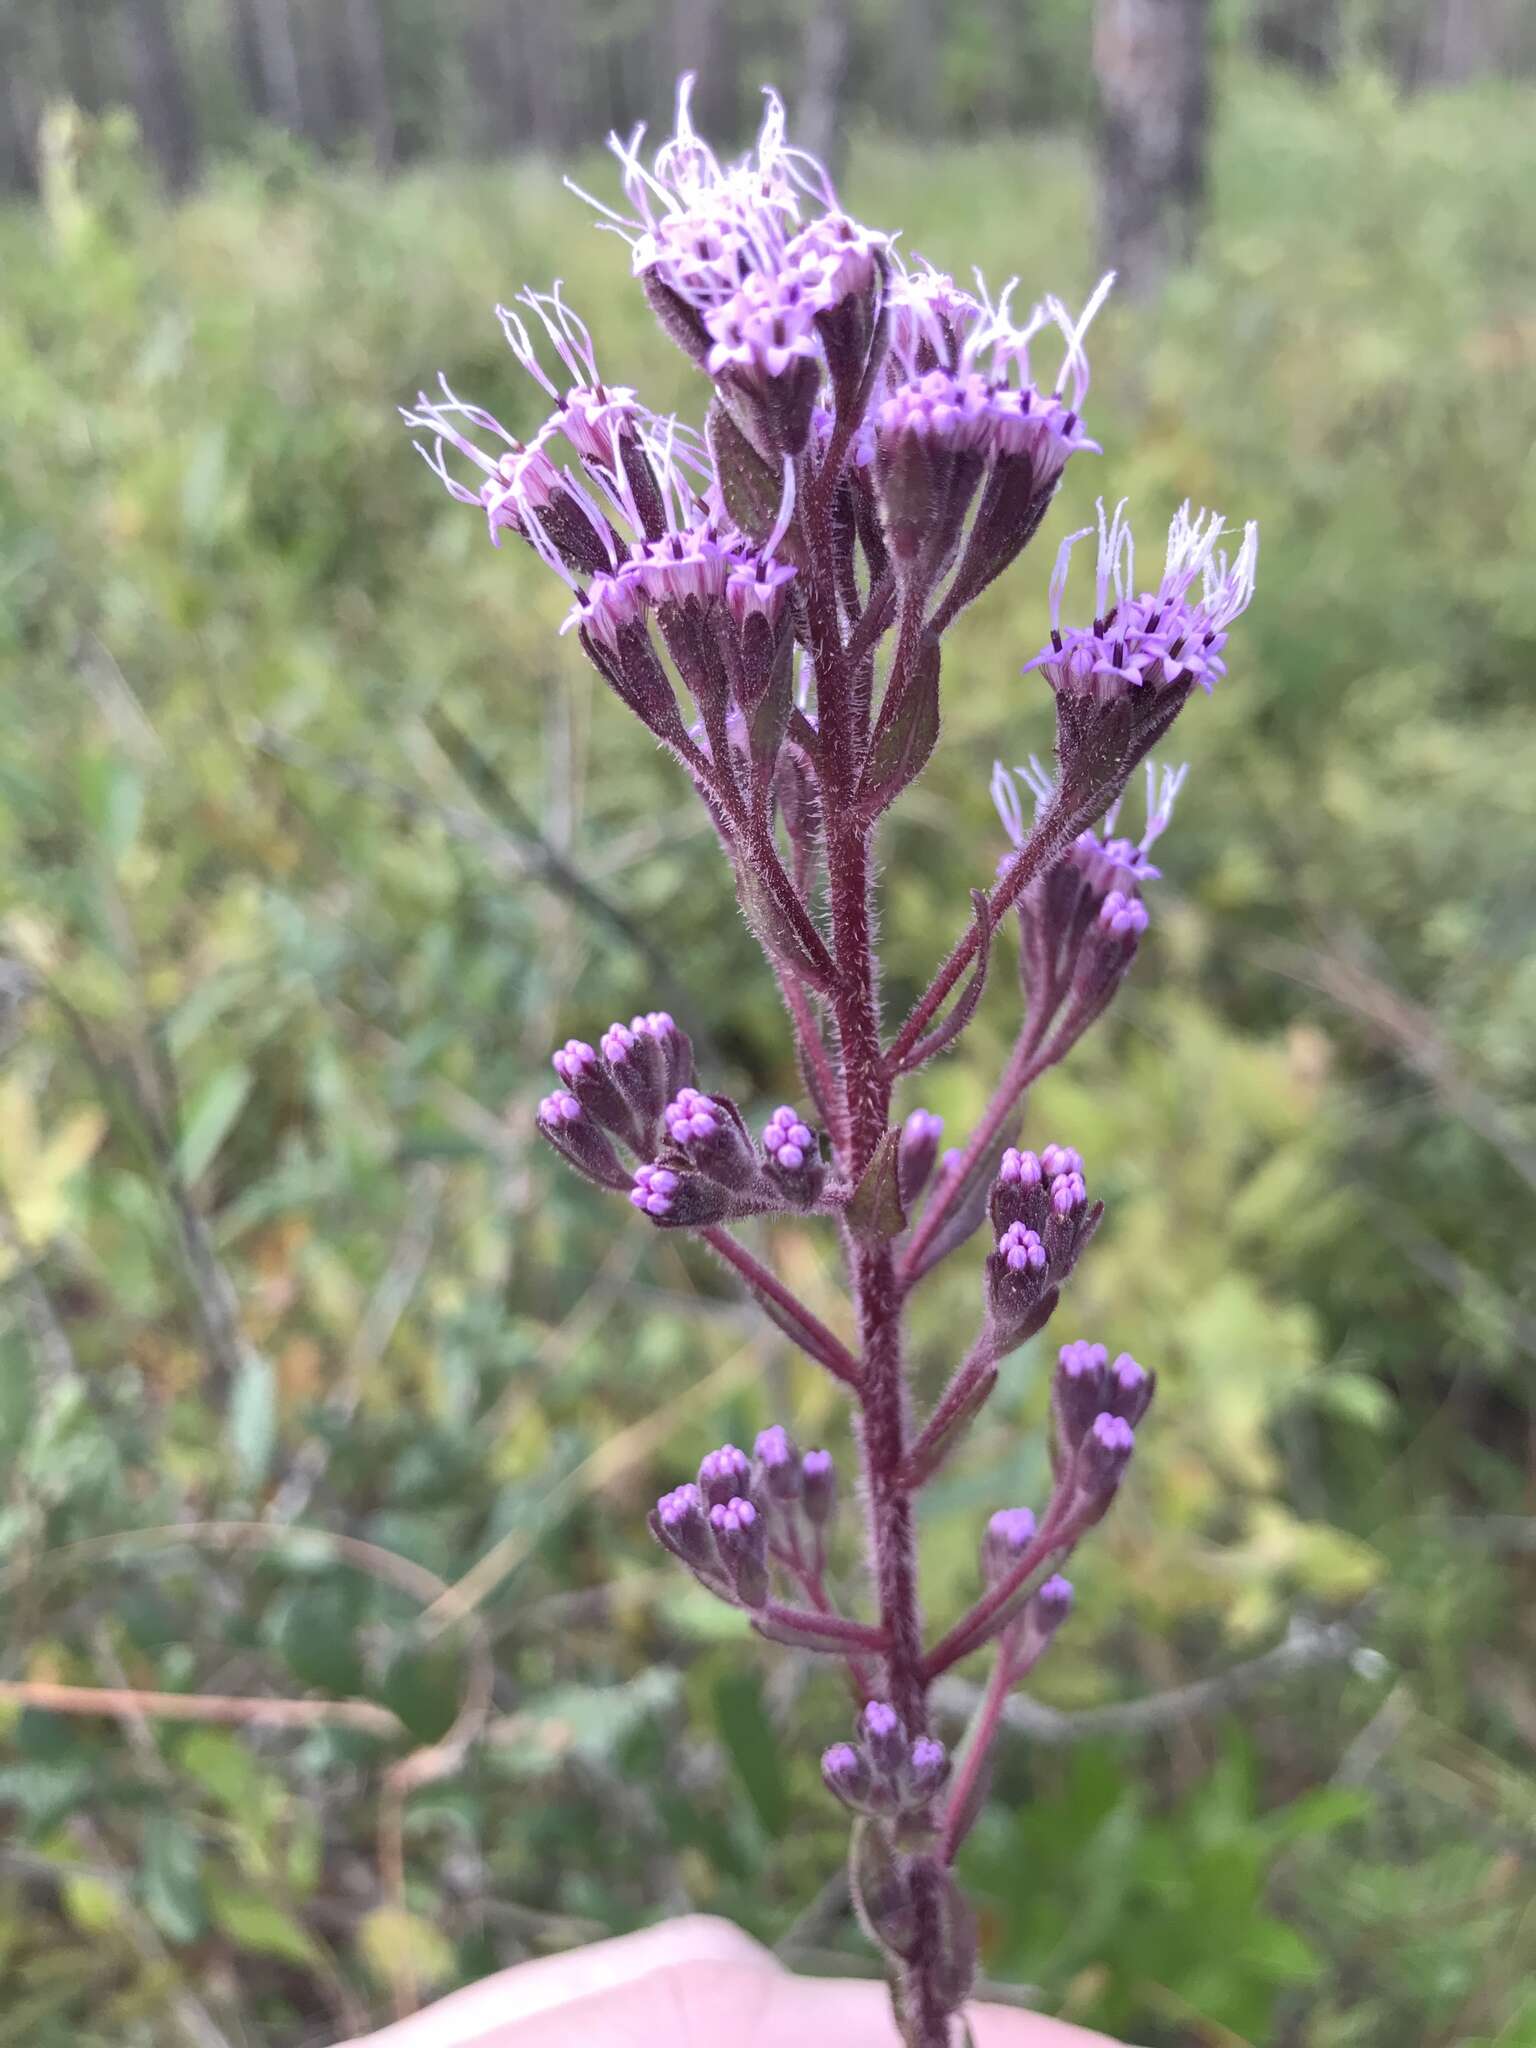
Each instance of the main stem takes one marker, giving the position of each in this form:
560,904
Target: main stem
882,1385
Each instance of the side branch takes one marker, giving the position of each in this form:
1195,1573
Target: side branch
1043,847
783,1309
1058,1532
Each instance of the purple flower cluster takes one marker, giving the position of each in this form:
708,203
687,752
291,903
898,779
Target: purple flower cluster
1042,1221
768,593
743,1517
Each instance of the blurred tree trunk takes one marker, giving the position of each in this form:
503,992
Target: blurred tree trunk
491,54
702,43
917,59
1451,42
245,48
1306,35
1151,61
80,47
18,113
277,61
158,89
358,73
821,115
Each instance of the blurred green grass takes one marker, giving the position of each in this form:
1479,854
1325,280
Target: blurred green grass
291,752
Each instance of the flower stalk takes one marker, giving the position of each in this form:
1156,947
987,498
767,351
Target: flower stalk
769,597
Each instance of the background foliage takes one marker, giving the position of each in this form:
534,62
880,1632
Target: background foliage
299,796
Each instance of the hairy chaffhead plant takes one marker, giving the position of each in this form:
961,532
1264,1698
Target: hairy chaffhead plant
769,597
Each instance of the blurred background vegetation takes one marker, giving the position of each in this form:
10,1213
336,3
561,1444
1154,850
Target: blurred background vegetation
320,1383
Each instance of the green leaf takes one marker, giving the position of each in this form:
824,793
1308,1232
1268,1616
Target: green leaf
750,1741
223,1766
92,1903
423,1687
112,798
253,1921
901,749
210,1118
402,1948
752,488
314,1628
875,1211
170,1877
252,1422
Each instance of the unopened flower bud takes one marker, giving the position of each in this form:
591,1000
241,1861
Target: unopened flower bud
724,1474
707,1131
819,1477
578,1138
927,1768
1105,1453
919,1148
846,1773
1129,1389
742,1541
587,1077
1008,1535
1050,1605
1079,1389
778,1464
793,1153
884,1736
681,1523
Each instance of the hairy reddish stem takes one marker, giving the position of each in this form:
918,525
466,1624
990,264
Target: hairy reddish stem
813,1336
1045,844
1057,1532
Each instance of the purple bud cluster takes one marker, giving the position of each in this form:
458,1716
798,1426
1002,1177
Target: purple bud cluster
697,1162
1096,1405
882,1772
1042,1221
741,1515
1082,921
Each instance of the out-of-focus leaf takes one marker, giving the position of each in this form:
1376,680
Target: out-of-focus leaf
752,1744
170,1877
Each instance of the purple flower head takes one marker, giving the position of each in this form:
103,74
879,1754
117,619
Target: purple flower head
560,1108
724,1474
1021,1250
593,417
579,1139
927,1768
931,317
819,1486
702,229
691,1118
575,1061
1068,1192
1051,1605
1056,1159
682,1524
778,1464
741,1538
1106,1452
1020,1169
1158,640
917,1152
788,1142
1078,1392
846,1773
793,1155
1129,1389
884,1737
655,1190
1009,1533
